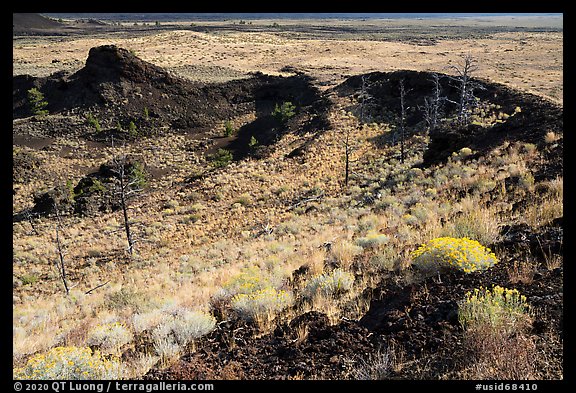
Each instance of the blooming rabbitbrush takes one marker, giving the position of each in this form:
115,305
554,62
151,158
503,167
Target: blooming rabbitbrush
453,253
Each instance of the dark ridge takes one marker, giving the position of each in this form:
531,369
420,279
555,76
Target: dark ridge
29,23
537,115
118,88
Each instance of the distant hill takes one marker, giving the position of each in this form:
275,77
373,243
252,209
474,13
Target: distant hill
29,22
268,15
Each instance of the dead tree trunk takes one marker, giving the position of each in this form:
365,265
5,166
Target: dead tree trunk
124,205
127,188
364,97
30,220
433,104
347,152
466,87
60,264
402,119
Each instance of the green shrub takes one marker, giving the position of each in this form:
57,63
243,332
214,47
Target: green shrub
333,283
384,260
464,152
453,253
526,181
483,185
97,186
164,339
190,325
253,142
180,325
137,175
70,363
37,103
244,199
92,121
228,128
249,281
29,279
146,321
125,297
254,296
173,330
409,219
497,337
221,158
480,224
284,112
132,129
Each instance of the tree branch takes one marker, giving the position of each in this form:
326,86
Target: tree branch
95,288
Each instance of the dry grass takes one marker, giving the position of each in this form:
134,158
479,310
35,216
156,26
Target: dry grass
551,137
497,356
475,221
522,272
140,365
543,212
381,365
551,261
328,305
344,251
377,367
314,260
187,263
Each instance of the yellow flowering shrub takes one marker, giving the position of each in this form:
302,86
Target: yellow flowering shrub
70,363
500,308
453,253
254,295
249,281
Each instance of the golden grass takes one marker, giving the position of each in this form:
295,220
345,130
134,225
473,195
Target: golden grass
522,271
344,251
543,212
551,137
476,222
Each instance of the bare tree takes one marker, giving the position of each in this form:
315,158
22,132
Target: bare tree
60,264
349,148
129,185
402,119
30,220
432,108
466,87
364,99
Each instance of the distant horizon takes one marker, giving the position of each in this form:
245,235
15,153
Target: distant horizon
296,15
